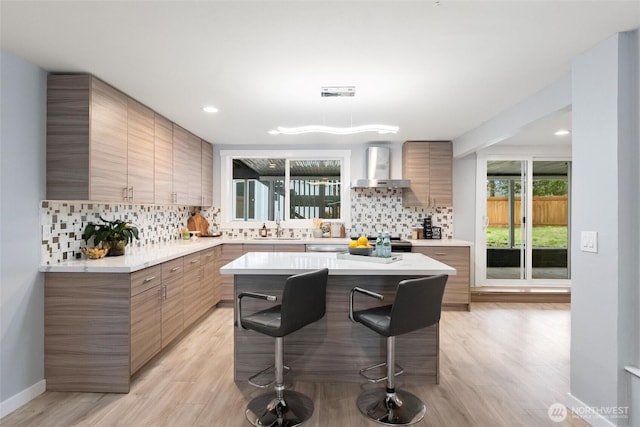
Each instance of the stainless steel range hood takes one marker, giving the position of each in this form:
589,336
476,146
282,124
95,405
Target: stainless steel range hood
378,168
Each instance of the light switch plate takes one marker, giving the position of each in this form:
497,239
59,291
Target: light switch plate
589,241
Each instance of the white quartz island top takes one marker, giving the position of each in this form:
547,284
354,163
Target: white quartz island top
287,263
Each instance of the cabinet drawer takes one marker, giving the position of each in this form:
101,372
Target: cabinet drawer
173,268
192,262
208,256
142,280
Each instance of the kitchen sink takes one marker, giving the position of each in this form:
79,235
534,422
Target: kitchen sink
277,238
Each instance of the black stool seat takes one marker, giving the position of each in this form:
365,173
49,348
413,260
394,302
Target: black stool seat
417,304
303,302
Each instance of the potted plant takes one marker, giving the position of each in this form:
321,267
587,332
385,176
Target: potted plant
115,234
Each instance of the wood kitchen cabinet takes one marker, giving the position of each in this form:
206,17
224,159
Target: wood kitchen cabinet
140,149
217,277
209,295
163,161
192,288
429,165
457,291
187,167
207,174
156,310
229,253
172,300
146,315
104,146
86,139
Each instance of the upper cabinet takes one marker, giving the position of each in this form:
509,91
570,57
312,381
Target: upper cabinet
86,139
207,174
428,164
104,146
163,161
140,158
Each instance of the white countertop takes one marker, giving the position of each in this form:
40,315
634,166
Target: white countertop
135,258
138,258
298,262
439,242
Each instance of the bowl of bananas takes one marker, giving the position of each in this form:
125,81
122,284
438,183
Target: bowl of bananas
95,252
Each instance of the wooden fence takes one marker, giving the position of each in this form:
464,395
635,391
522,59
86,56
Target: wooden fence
547,210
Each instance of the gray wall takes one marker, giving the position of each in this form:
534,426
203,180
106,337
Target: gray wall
605,193
22,185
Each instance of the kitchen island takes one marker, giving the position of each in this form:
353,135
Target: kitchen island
333,349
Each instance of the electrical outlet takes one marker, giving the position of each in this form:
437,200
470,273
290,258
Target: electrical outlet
589,241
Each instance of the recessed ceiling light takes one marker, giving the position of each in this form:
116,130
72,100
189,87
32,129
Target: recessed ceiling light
562,132
209,109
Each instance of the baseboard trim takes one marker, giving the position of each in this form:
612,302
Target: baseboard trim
520,294
588,413
22,398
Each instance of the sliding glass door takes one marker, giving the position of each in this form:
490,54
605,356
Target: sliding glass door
524,223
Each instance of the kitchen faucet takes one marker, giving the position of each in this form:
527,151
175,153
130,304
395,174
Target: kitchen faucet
278,228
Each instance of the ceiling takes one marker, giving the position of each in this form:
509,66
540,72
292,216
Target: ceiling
436,69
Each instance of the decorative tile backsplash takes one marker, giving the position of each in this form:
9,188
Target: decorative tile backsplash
380,209
371,210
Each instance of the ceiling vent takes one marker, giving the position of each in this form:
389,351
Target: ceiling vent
337,91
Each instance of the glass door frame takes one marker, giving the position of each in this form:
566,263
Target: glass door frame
527,206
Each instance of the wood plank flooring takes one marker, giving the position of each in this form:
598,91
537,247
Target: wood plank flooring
502,364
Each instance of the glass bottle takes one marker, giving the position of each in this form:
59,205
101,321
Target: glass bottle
386,245
378,249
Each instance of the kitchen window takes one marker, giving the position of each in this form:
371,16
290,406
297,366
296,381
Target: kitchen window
295,188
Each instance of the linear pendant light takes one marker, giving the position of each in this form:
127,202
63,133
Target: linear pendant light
335,91
382,129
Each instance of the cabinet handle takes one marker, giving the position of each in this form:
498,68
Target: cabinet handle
131,198
193,261
175,269
441,253
164,292
148,279
159,294
125,194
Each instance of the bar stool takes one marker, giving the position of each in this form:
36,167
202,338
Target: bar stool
417,305
303,302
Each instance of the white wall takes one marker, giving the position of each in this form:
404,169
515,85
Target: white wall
605,192
464,197
22,185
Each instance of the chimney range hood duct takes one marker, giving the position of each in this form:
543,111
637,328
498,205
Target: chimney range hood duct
378,168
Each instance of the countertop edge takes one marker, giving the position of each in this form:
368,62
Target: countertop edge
139,259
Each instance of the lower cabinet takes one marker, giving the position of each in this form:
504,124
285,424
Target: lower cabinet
101,328
209,294
172,300
228,254
192,288
457,291
146,326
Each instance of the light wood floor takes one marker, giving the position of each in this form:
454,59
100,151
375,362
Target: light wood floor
501,365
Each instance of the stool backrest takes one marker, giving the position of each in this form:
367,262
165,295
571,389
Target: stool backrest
418,304
304,300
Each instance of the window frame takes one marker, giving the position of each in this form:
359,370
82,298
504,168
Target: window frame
226,180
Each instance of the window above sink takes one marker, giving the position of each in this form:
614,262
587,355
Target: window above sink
292,187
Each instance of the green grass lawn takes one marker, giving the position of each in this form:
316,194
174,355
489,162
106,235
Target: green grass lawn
547,236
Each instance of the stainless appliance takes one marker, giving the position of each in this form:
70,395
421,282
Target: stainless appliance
397,244
331,247
378,169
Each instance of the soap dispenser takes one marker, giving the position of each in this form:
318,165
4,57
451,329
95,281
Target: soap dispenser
263,230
